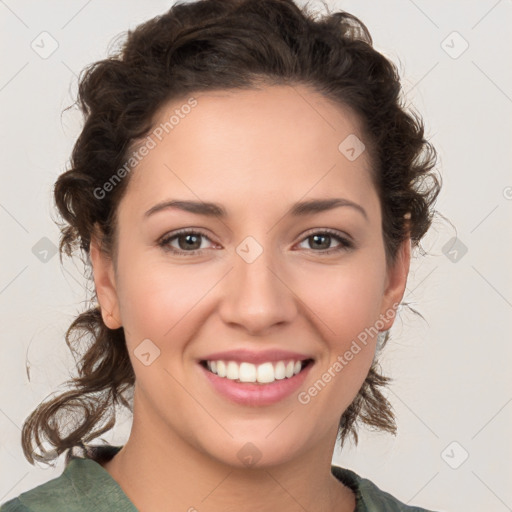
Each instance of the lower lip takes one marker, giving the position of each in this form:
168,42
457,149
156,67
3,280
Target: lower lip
246,393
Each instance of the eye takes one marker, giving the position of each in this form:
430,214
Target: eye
322,240
189,242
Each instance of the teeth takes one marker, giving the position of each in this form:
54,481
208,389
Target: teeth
264,373
232,371
280,370
221,368
248,372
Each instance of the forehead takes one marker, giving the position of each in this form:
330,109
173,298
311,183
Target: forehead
277,140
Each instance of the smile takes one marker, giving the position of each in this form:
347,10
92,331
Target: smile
255,385
264,373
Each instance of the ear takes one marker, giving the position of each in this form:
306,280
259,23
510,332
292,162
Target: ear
104,282
396,282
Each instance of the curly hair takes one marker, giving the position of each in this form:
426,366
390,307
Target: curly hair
207,45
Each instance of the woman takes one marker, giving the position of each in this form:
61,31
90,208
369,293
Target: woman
246,189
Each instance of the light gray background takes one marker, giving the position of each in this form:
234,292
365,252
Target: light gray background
452,391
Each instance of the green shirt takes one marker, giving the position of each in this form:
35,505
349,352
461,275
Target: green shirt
85,486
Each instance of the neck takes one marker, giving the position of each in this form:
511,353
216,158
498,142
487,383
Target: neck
162,468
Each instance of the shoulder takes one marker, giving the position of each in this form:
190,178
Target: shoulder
13,505
377,499
83,486
52,495
56,495
369,497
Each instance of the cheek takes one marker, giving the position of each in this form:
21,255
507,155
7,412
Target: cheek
346,300
346,307
160,304
157,300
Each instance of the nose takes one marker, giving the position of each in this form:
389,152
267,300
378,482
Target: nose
258,294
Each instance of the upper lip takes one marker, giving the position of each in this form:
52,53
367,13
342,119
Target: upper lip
244,355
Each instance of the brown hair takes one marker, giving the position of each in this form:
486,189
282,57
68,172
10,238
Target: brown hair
221,44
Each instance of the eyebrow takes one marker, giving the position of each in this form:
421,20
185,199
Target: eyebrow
299,209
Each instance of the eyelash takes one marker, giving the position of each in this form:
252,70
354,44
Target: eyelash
345,244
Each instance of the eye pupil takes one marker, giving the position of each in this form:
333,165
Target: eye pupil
190,242
317,237
188,238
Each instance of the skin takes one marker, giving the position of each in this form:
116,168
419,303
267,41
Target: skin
255,152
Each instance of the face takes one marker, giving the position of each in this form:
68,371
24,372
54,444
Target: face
259,279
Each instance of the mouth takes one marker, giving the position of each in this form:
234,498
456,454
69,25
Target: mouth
263,374
258,384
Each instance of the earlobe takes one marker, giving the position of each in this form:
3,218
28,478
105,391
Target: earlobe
104,282
396,283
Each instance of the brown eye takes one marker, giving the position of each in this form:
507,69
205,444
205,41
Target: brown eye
320,241
189,242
